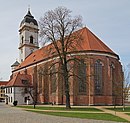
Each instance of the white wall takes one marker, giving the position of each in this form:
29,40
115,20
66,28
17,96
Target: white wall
18,94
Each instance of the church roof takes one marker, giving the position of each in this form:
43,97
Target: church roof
89,43
28,18
19,80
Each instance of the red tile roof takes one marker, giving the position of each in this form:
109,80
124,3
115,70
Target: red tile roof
89,42
17,80
3,83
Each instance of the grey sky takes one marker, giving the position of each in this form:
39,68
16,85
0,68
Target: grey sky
108,19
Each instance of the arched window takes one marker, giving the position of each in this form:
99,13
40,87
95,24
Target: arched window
98,80
31,39
53,79
40,81
112,70
82,76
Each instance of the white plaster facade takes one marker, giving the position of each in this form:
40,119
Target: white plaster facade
17,94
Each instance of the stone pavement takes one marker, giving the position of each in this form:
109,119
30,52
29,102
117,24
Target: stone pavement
15,115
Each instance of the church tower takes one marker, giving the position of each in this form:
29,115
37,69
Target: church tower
28,33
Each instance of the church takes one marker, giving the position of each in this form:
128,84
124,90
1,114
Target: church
100,69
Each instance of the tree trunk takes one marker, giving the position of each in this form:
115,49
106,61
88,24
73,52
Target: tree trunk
34,104
66,87
68,100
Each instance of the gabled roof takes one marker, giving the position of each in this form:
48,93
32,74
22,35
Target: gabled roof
88,43
18,80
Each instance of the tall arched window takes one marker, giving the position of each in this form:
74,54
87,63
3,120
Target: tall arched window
98,80
40,86
31,39
82,76
112,68
53,79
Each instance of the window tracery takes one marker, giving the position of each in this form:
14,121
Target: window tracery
82,76
53,79
98,80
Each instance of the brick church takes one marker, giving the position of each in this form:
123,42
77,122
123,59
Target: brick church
100,69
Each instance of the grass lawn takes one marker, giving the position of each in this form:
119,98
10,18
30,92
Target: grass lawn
97,116
120,109
128,113
62,108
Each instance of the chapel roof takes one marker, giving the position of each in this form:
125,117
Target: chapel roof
19,80
89,43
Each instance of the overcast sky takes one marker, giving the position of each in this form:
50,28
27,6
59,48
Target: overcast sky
107,19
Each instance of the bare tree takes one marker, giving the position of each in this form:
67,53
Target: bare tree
29,89
32,88
126,85
57,27
121,89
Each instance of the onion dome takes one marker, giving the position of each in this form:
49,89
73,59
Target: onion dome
28,18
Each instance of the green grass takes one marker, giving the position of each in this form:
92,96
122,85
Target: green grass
120,109
62,108
96,116
128,113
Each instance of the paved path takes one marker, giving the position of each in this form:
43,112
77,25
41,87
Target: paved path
119,114
15,115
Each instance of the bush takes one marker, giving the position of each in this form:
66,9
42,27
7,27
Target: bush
15,103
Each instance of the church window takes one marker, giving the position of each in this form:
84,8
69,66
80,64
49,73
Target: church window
53,79
40,71
98,71
112,67
31,39
82,76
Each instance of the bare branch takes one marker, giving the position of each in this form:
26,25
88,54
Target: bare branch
57,26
